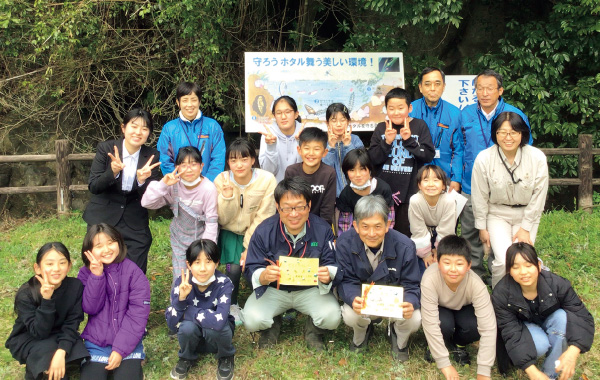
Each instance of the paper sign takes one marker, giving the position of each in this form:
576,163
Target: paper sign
297,271
382,300
460,200
460,90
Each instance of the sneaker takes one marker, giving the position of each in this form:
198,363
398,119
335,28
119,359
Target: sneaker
225,368
461,355
269,336
398,354
361,347
313,336
234,310
180,371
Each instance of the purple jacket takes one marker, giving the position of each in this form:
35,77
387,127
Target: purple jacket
118,304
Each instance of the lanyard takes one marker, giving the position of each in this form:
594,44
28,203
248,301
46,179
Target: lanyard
290,244
199,134
486,140
424,110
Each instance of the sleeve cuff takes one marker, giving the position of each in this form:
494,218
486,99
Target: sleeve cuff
325,288
255,278
484,370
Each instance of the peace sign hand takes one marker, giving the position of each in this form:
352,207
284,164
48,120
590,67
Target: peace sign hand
144,173
96,267
332,139
172,178
116,165
347,136
390,132
227,189
185,287
46,289
297,135
405,130
270,138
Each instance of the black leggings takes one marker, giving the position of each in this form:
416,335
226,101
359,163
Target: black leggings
130,369
234,272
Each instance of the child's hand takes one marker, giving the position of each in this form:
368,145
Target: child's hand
114,361
46,288
96,267
116,165
185,287
270,138
347,137
227,188
56,371
428,260
243,260
332,139
144,173
172,178
390,132
297,135
323,275
405,130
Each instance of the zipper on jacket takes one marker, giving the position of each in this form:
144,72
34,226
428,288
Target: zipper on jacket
115,302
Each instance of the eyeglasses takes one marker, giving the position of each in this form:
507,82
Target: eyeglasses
288,113
288,210
486,89
192,165
436,84
513,134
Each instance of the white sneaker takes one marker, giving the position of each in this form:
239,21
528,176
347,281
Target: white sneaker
234,310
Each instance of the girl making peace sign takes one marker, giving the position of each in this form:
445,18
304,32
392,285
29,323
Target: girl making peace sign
193,200
119,176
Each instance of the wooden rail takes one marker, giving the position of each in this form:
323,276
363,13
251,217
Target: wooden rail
63,186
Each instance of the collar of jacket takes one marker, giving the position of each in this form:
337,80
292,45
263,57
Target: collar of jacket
547,297
389,253
309,236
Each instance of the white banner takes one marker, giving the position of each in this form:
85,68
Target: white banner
315,80
460,90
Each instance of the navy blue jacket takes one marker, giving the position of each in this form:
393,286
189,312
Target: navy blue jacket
398,266
269,242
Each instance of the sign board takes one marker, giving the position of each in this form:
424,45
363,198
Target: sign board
460,90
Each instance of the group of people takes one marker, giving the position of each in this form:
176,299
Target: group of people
384,215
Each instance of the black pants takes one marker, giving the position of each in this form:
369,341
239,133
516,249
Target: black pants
130,369
459,326
138,243
401,223
234,272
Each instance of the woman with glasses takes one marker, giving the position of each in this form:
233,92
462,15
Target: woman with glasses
193,200
279,141
509,186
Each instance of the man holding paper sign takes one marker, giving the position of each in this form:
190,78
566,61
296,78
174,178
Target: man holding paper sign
371,252
280,266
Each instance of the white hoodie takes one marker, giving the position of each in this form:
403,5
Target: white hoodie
275,158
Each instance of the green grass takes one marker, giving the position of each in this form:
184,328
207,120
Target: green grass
568,243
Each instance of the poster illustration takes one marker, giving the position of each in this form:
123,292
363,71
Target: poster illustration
315,80
298,271
382,300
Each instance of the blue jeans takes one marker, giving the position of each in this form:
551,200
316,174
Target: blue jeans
550,340
194,340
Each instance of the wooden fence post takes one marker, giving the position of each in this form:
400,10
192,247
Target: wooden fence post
63,178
585,196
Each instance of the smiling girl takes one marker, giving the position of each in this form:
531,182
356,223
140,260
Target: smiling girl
45,336
245,200
116,298
119,176
432,213
193,200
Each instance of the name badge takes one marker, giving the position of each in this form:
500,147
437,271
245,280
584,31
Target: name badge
437,153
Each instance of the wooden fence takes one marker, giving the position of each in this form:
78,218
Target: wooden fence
63,186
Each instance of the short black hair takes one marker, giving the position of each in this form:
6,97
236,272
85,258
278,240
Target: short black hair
290,101
454,245
516,122
437,171
111,232
138,113
489,73
428,70
187,88
398,93
527,251
203,245
188,151
312,134
333,110
295,186
240,147
357,156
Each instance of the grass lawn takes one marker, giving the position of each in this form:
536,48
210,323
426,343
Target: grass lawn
569,243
